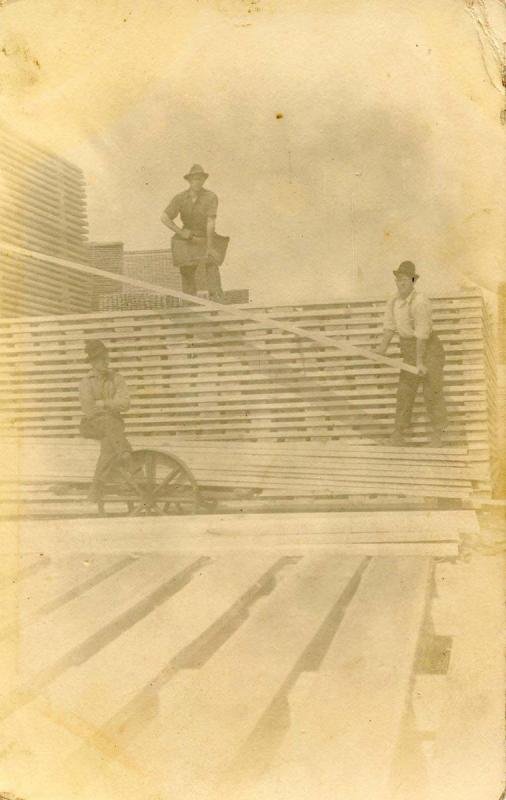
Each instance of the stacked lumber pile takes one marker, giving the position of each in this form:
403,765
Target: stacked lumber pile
197,375
500,480
265,474
496,427
501,391
329,470
43,208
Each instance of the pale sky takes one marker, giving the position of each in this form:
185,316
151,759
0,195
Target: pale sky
389,146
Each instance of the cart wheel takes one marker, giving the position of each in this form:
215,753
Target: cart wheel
160,484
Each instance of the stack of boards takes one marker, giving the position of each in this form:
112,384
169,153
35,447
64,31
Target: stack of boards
43,208
251,476
208,376
329,469
500,479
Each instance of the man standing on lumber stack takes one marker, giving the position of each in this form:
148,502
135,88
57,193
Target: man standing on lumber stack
409,314
104,395
197,241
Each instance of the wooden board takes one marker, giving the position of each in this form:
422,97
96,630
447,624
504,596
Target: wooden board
53,584
345,724
438,532
189,614
214,709
33,468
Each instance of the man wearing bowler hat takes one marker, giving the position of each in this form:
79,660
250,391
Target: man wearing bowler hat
408,313
196,242
104,396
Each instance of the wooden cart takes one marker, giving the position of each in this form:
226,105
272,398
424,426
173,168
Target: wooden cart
159,483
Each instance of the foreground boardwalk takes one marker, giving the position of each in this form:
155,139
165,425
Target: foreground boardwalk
142,663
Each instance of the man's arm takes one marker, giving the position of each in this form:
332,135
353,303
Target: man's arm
121,399
385,341
388,328
89,405
421,346
169,223
210,228
169,216
212,210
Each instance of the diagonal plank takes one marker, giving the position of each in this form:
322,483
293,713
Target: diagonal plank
344,730
270,323
206,714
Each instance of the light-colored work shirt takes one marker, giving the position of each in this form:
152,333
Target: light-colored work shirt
409,317
111,388
194,212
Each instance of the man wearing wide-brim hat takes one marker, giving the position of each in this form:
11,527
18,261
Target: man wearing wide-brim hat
104,396
409,314
196,242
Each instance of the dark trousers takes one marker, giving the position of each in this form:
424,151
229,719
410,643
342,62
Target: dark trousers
213,280
432,383
108,428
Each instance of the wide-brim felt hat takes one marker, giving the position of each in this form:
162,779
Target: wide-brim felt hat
95,349
406,269
196,170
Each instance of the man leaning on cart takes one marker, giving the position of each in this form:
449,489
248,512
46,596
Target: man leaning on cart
104,395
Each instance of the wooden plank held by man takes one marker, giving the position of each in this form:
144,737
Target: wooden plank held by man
197,242
229,311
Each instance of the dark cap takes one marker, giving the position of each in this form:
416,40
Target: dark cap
406,269
196,170
94,349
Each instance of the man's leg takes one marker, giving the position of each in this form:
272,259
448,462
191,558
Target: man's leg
188,282
89,430
433,388
105,458
406,391
114,441
214,283
110,430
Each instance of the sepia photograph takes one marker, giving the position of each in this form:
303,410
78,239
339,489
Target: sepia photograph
252,399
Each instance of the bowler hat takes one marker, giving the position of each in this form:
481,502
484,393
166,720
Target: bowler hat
196,170
407,269
94,349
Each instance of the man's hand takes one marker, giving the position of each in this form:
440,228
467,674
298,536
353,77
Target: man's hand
421,369
386,338
185,234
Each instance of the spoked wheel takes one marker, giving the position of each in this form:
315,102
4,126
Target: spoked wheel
157,483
